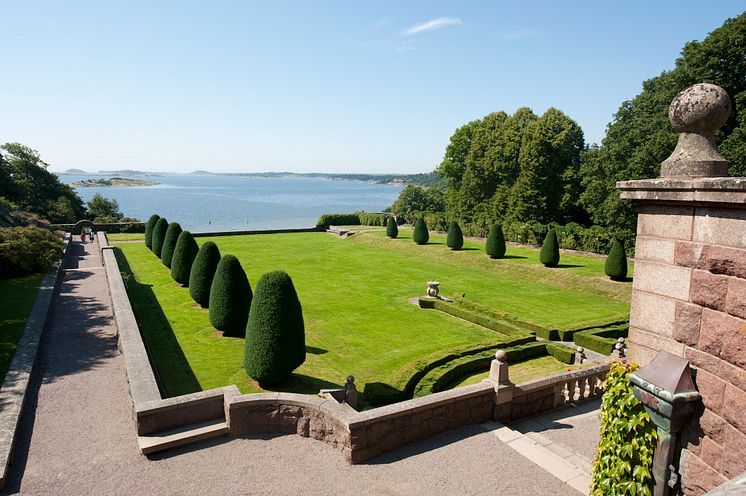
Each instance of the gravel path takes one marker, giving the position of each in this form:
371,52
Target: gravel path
77,436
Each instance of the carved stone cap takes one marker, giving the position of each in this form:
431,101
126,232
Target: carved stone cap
696,113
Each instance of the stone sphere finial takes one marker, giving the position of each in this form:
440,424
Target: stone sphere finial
696,113
501,356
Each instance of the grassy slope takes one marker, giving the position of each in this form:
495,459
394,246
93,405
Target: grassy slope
18,297
354,294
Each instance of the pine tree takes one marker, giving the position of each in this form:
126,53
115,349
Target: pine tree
230,298
549,254
169,243
420,234
184,254
495,245
392,230
149,226
159,235
203,272
275,336
616,263
455,238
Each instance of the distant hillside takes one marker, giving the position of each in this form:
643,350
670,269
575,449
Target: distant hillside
74,171
425,179
114,181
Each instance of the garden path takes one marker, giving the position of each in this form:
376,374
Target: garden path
77,435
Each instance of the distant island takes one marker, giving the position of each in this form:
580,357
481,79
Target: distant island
114,181
424,179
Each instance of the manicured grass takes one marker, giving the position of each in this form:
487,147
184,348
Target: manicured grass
529,370
18,297
125,236
354,294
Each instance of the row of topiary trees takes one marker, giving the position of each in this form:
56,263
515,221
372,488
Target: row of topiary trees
549,255
271,319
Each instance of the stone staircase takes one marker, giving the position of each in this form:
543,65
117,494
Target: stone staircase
183,435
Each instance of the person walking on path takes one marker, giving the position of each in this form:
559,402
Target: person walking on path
82,236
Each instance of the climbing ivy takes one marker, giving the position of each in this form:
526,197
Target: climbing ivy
624,457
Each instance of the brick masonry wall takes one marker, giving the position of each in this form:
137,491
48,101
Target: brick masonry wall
689,298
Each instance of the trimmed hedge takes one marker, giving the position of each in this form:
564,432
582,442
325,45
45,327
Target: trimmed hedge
616,263
495,245
567,334
601,340
455,238
392,231
169,243
230,297
149,226
503,327
184,254
327,220
159,235
481,309
420,234
549,254
275,335
203,272
372,219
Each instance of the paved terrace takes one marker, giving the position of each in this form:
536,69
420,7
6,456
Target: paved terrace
77,435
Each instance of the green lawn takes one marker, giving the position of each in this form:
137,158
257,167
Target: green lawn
529,370
18,297
354,294
125,236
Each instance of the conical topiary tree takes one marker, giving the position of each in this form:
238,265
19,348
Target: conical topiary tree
275,336
169,243
203,272
230,297
184,254
549,254
392,230
455,238
149,226
616,263
495,245
420,234
159,235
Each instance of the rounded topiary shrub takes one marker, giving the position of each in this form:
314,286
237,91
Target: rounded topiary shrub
230,297
159,235
549,254
203,272
149,226
616,263
169,243
455,238
420,235
184,254
495,245
392,230
275,336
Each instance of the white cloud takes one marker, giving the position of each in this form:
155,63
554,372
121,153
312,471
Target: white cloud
430,25
520,35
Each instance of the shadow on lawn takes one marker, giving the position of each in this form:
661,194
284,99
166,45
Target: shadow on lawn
304,384
315,351
171,368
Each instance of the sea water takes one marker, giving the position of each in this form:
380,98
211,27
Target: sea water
208,202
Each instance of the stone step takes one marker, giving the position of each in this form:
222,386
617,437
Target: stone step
181,436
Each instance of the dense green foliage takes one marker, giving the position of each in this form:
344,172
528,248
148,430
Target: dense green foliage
392,230
28,250
420,235
455,238
203,272
230,297
495,244
338,220
549,254
624,457
103,210
413,201
616,262
372,218
149,226
640,137
169,243
275,336
159,236
184,254
25,181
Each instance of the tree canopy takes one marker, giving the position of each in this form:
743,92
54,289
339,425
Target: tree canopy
103,209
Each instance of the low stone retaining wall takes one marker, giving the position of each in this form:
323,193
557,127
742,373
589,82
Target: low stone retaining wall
15,385
265,231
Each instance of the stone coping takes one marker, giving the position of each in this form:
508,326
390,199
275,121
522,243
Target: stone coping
562,377
702,191
15,386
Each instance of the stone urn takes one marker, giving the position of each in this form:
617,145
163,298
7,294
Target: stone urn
432,289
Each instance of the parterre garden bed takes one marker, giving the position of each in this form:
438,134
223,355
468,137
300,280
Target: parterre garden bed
358,321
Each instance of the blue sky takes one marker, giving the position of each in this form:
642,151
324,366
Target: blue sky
317,86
